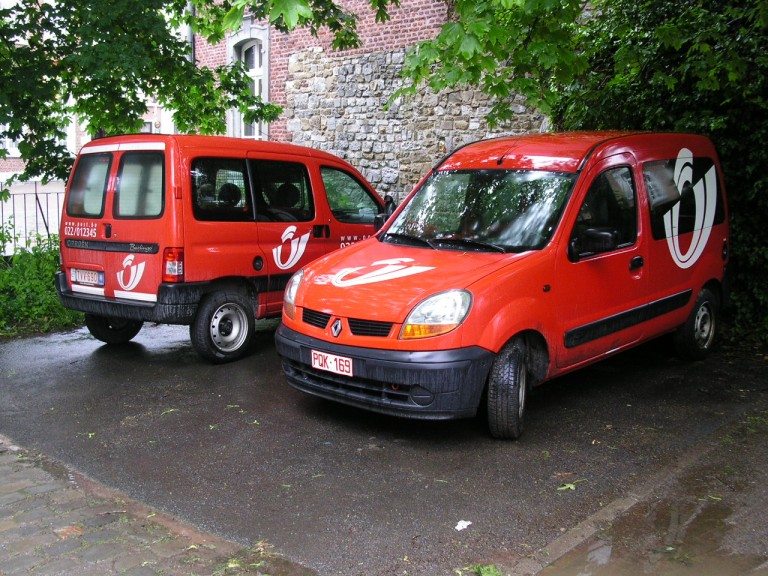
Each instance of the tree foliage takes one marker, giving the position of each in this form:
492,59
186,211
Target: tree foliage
99,60
699,67
630,64
504,47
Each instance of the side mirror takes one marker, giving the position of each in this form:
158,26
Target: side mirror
378,221
600,240
592,241
389,209
389,205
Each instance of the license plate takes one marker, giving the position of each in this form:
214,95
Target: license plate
331,363
89,277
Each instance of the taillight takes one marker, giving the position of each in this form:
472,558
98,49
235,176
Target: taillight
173,265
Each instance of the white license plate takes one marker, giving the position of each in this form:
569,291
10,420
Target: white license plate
89,277
331,363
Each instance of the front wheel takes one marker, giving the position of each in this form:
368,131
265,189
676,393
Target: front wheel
695,339
507,391
112,330
223,326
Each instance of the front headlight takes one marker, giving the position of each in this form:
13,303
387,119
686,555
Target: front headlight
437,315
289,296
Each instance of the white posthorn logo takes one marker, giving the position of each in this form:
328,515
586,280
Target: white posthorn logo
298,245
705,196
390,269
136,272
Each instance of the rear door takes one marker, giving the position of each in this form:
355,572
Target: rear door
114,221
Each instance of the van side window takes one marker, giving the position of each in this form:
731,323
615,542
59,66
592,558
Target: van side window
89,186
220,190
282,191
140,185
663,194
348,199
608,217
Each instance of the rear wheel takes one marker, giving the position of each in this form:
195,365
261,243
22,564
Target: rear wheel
223,327
695,339
112,330
508,391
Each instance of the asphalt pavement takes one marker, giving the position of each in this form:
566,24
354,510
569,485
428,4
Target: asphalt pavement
640,465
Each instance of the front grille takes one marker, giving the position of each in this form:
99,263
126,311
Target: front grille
315,318
321,381
369,327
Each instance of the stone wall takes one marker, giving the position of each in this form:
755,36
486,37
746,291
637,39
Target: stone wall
338,103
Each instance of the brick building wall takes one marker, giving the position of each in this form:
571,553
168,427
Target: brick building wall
335,100
412,22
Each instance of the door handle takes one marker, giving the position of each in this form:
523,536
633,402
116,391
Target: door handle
636,262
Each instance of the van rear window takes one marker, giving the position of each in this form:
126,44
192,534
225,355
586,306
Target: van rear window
89,186
141,182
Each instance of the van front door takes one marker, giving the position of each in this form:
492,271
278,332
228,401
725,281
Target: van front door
601,273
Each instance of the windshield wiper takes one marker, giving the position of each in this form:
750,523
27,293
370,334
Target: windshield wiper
398,238
466,242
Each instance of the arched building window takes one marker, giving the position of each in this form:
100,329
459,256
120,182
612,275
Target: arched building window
250,46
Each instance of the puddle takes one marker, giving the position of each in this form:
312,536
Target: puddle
686,536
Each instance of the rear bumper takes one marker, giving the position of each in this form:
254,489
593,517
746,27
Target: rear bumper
434,385
176,303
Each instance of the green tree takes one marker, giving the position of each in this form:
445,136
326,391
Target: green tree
699,67
98,60
631,64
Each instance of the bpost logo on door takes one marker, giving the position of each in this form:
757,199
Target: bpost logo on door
135,272
705,196
298,245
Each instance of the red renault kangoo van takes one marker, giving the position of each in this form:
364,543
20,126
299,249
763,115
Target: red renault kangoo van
513,261
200,230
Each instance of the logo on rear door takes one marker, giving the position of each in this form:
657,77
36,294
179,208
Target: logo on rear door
298,245
135,272
705,196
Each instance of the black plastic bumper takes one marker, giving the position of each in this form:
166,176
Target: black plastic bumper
176,303
435,385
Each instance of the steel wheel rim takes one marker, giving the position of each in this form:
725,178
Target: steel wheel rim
229,327
704,327
521,392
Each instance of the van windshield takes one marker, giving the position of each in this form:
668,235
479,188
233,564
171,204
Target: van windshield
483,210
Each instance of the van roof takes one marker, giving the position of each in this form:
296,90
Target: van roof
192,141
561,152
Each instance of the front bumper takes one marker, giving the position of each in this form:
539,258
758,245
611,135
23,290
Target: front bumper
433,385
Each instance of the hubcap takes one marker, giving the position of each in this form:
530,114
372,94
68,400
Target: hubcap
229,328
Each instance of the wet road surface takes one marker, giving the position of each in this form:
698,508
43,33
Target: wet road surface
236,451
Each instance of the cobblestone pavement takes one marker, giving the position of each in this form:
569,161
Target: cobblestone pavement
57,523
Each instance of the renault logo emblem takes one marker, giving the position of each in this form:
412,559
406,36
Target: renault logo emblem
336,328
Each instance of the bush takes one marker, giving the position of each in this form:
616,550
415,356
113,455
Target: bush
690,67
28,300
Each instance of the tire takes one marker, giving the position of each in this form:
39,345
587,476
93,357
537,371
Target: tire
112,330
695,339
508,391
223,327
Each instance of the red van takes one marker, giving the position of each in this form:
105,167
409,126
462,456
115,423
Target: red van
200,230
513,261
